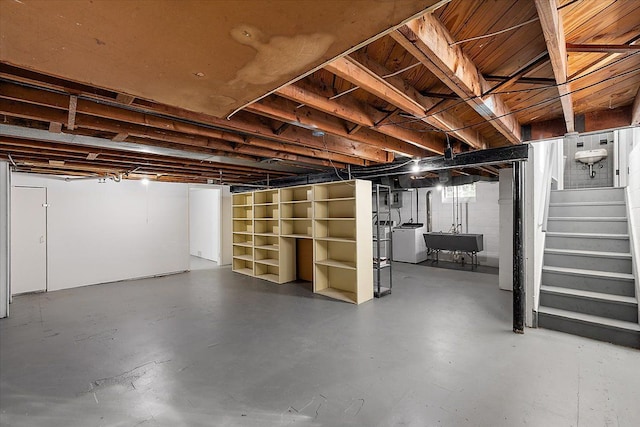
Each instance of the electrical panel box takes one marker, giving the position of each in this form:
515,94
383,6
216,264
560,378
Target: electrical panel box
395,202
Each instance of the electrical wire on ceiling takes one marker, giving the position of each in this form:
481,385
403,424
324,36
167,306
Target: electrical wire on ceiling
484,36
386,76
555,85
537,104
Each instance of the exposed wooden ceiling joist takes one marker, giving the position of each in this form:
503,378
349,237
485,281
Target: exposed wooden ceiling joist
365,116
99,116
553,31
473,70
635,110
443,120
428,40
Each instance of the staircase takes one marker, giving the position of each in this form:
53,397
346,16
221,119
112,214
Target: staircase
588,288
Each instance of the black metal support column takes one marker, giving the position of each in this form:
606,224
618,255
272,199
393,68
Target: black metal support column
518,249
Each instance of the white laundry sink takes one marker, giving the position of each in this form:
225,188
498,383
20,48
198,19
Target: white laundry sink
590,157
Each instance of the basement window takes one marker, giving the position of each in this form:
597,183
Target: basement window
460,193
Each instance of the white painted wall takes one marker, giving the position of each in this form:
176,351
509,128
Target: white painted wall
204,223
100,233
5,209
505,202
226,248
633,200
544,165
483,216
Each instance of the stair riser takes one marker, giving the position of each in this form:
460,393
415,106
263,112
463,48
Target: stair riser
597,332
611,310
588,283
604,227
588,244
590,195
587,210
615,265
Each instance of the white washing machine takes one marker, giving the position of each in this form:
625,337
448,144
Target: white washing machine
408,243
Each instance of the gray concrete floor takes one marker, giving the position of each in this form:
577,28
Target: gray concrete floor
197,263
212,348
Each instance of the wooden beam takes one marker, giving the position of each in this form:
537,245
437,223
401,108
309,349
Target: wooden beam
635,110
344,107
428,40
401,94
33,147
147,125
365,142
352,71
297,152
553,31
444,120
71,120
349,109
55,127
602,48
92,156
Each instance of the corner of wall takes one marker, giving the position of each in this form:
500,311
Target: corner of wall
5,231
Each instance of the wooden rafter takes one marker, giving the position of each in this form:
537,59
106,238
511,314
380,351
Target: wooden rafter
261,148
351,70
553,31
109,118
635,110
348,109
366,73
284,110
428,40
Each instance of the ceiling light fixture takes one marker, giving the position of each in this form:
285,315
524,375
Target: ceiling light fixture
145,181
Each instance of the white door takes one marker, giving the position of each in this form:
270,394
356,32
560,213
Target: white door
28,239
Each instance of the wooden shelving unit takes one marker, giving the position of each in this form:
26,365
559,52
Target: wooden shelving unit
243,233
342,233
335,216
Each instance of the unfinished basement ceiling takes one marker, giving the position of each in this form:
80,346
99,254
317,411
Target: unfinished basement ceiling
257,90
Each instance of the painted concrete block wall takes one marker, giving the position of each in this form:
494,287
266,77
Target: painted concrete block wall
5,192
204,223
576,174
100,233
483,214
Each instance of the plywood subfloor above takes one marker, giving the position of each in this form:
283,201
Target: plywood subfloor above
206,56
